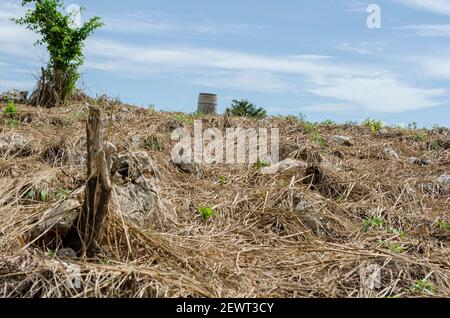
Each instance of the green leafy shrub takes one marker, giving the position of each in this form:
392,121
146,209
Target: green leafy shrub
329,122
181,118
206,213
373,223
443,225
423,286
64,44
12,123
222,180
374,125
244,108
11,107
261,164
312,130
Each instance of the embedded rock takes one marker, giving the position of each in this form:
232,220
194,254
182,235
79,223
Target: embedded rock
15,95
342,140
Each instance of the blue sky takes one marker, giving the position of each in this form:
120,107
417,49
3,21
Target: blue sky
313,57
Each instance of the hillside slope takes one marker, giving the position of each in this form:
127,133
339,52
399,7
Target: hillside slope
304,232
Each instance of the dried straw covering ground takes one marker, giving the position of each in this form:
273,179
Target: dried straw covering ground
259,243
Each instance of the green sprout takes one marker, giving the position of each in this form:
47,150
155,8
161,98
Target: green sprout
206,213
373,223
11,107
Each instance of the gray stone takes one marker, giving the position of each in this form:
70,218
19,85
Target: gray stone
15,95
282,166
15,145
66,253
342,140
390,153
418,161
443,183
191,168
58,219
136,192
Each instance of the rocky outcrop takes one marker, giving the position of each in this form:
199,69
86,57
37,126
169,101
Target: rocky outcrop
136,196
441,186
390,153
15,145
342,140
136,193
15,95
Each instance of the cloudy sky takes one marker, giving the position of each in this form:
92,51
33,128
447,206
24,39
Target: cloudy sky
288,56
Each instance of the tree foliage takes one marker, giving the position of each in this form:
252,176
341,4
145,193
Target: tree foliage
64,41
245,108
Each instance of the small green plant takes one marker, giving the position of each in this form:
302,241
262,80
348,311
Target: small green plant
50,253
301,117
244,108
374,125
59,195
420,137
312,130
39,196
373,223
12,123
10,107
328,122
317,138
395,231
206,213
412,125
435,145
394,247
222,180
443,225
261,164
198,114
423,286
181,118
151,108
351,123
152,143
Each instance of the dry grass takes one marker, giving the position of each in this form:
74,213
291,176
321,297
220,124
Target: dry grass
258,244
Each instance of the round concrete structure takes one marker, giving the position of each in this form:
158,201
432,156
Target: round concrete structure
207,103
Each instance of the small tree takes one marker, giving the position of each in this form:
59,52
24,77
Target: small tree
64,43
246,109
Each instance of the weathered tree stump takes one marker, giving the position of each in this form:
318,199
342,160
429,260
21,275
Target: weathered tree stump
87,229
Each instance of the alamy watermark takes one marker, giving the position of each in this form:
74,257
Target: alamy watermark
74,276
234,146
372,276
374,19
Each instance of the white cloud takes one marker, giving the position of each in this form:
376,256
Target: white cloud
384,94
142,23
436,6
429,30
15,40
352,84
435,66
149,59
329,107
7,84
245,81
363,48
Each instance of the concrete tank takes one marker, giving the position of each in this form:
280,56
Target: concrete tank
207,103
